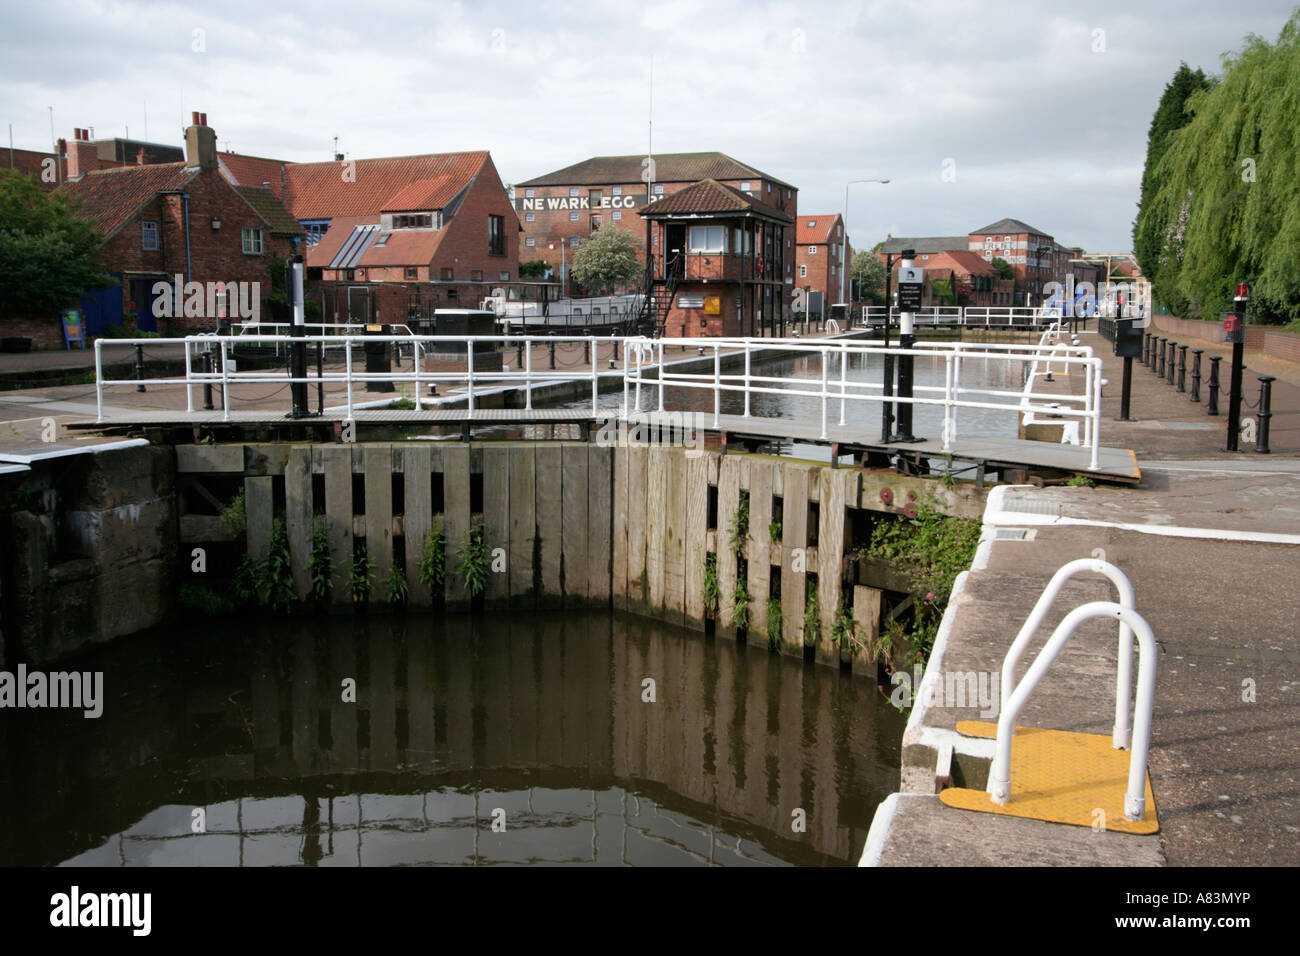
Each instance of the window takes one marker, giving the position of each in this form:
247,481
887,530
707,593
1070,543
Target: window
529,193
410,272
417,220
659,189
530,242
252,241
744,187
617,190
504,275
573,216
708,239
475,275
315,229
496,236
148,235
812,250
530,217
803,272
593,198
617,215
573,192
595,223
573,242
452,295
445,274
812,223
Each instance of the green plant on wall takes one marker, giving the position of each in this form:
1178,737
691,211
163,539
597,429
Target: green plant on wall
812,622
233,516
474,560
433,558
740,605
360,578
712,595
739,529
277,571
396,585
774,532
843,630
246,580
774,622
320,566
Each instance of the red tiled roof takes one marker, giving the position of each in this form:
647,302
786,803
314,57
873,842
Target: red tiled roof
109,198
251,171
711,196
319,190
808,234
340,229
424,194
964,263
404,248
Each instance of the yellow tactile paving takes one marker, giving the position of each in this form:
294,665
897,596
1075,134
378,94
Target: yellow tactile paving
1060,777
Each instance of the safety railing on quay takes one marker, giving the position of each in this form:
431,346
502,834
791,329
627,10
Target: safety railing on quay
644,364
642,356
963,315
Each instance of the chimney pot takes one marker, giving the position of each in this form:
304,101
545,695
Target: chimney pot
194,119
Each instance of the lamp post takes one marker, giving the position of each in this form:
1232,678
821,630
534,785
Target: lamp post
564,284
844,247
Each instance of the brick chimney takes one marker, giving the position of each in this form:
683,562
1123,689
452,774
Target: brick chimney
200,143
83,157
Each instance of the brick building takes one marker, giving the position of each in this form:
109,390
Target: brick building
819,256
564,207
162,220
717,258
958,277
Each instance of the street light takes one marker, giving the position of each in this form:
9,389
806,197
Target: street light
844,250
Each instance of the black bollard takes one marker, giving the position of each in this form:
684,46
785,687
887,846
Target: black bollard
1196,374
207,385
1146,349
1160,364
139,367
586,352
1214,385
519,355
1182,368
1173,349
552,347
1265,413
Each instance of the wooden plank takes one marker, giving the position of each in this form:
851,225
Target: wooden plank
197,459
550,487
378,461
257,510
637,578
656,523
759,547
496,521
830,557
337,461
618,584
298,516
697,529
573,526
600,522
866,616
417,502
794,544
523,524
728,499
675,541
456,517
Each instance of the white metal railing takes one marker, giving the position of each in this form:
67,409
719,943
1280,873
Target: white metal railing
1015,695
963,315
644,364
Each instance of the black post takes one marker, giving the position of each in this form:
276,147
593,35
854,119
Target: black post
320,379
1234,395
519,355
1214,385
1196,374
586,352
1126,392
1182,368
1146,349
298,349
139,367
207,385
1173,348
1160,366
552,348
887,389
906,339
1265,413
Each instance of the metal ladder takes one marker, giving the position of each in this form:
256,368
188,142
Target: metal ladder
1015,695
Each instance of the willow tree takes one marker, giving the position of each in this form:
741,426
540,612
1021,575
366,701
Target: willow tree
1229,185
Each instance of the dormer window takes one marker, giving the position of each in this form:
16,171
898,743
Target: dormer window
413,220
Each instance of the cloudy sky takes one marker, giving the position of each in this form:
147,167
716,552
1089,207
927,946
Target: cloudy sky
974,111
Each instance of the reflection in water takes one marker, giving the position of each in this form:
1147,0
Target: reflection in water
535,722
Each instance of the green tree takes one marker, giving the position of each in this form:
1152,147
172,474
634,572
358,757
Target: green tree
868,272
1150,229
1003,267
1227,190
534,269
49,255
610,259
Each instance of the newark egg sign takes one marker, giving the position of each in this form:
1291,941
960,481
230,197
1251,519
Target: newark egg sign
563,203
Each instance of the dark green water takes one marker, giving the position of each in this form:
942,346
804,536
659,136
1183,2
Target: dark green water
533,721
